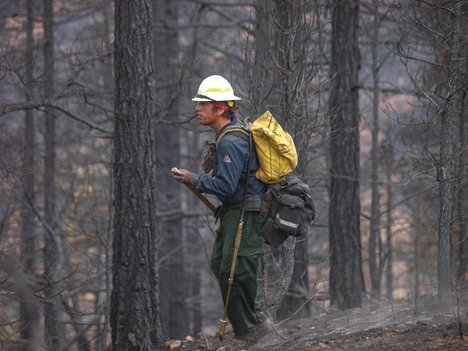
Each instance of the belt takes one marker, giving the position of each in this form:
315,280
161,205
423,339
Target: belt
253,203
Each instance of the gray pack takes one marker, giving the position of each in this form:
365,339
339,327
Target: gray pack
288,209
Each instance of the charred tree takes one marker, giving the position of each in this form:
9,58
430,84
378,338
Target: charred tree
445,167
29,321
462,271
280,84
52,323
135,311
346,276
173,277
388,162
375,251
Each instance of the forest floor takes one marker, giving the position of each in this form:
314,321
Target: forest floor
390,328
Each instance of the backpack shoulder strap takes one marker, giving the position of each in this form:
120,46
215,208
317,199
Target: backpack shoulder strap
234,129
245,134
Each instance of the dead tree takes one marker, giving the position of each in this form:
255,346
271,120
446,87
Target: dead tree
30,322
346,276
439,28
53,325
173,267
135,312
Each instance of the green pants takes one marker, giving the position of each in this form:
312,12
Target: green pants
242,309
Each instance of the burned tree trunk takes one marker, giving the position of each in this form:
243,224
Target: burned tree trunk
346,276
135,313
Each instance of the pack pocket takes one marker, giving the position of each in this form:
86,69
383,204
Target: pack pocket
288,210
272,235
288,200
288,220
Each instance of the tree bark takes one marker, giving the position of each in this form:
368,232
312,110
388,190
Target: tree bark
418,214
460,204
346,276
52,324
280,85
374,237
28,309
174,280
295,301
462,277
389,223
135,311
444,269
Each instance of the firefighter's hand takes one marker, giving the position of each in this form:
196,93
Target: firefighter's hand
181,175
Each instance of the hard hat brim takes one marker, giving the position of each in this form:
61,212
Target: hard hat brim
196,98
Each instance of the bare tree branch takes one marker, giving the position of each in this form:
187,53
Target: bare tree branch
8,108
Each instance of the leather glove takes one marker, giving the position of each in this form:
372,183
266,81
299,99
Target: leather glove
207,164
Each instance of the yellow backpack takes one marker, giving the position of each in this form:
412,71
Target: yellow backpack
275,148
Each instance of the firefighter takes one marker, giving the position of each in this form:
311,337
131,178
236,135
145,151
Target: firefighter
233,166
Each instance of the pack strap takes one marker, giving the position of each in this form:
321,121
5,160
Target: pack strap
245,134
234,129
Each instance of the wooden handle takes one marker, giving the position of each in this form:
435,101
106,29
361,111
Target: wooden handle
201,197
223,320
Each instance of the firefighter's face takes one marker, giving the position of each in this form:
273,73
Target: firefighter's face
207,114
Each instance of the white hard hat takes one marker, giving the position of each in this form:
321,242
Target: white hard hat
215,88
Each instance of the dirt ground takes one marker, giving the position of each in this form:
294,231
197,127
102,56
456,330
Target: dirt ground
389,328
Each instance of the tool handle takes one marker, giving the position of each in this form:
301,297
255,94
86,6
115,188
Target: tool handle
223,320
201,197
222,327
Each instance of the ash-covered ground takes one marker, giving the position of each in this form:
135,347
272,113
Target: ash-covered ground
390,327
